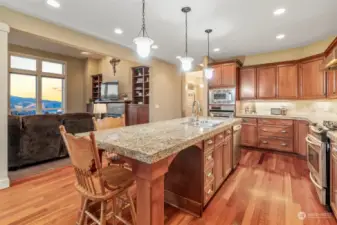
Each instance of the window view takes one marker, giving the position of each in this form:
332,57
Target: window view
22,94
39,92
52,94
22,63
51,67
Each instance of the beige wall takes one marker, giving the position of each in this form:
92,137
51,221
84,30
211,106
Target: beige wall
289,54
75,94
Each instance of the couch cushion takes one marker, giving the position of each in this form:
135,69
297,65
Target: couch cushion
40,138
77,122
14,125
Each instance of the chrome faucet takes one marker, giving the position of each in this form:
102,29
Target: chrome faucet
196,112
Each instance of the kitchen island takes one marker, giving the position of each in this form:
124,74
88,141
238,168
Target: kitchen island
175,161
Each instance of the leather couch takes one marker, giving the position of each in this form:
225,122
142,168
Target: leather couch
35,139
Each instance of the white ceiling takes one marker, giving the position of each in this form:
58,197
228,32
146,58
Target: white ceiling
240,27
32,41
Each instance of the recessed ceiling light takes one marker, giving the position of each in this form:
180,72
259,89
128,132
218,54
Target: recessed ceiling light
85,53
216,49
178,57
118,31
280,11
53,3
155,46
280,36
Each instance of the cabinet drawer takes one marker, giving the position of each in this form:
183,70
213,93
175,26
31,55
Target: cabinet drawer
209,159
209,144
208,192
209,176
249,121
275,122
219,138
275,131
277,144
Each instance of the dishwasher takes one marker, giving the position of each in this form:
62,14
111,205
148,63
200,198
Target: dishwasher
236,145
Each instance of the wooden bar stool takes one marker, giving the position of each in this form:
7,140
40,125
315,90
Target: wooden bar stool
97,184
110,123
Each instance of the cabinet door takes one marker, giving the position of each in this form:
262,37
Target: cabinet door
287,81
331,85
249,135
132,116
333,183
227,156
301,132
228,76
143,115
248,83
217,76
266,82
218,165
312,79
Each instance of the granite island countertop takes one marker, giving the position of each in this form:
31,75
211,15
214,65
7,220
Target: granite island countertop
152,142
311,117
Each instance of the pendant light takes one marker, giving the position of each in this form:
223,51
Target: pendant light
143,42
186,62
208,71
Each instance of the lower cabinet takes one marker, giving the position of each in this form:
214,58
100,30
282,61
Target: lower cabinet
137,114
218,165
227,156
249,135
301,131
333,182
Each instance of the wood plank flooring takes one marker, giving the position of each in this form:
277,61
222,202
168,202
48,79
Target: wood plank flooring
265,189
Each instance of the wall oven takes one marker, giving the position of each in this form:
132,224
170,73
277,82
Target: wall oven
317,158
222,96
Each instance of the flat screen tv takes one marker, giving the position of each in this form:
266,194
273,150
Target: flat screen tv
109,90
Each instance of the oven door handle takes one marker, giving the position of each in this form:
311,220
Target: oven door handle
314,182
307,139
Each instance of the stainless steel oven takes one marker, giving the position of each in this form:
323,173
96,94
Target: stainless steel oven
316,158
222,96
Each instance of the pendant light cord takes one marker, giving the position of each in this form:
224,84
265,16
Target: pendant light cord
208,45
186,35
143,18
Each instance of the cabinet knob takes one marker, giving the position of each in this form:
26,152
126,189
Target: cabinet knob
210,142
209,158
209,191
283,144
209,174
283,131
265,142
221,136
265,130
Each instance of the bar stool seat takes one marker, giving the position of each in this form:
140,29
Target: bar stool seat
117,177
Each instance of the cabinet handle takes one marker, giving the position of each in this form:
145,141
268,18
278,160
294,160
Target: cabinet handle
283,144
244,120
209,174
283,131
209,191
229,132
209,158
265,142
210,142
265,130
221,136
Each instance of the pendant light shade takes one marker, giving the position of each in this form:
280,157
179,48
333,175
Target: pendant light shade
208,71
186,62
143,42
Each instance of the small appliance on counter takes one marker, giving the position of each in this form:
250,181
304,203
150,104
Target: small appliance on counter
279,111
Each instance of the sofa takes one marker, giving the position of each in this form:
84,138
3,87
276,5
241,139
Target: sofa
36,139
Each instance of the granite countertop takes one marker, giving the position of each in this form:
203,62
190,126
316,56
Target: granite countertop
311,117
152,142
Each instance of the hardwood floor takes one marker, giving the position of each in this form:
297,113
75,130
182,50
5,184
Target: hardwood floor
265,189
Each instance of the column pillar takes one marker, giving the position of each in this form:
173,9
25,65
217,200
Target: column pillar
4,30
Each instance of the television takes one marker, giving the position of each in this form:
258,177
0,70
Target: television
109,91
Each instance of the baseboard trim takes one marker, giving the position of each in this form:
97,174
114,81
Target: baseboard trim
4,183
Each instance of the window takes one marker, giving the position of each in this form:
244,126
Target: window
52,95
22,94
36,85
22,63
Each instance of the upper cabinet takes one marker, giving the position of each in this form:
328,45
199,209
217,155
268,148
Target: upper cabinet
224,75
312,79
332,83
266,82
287,81
247,83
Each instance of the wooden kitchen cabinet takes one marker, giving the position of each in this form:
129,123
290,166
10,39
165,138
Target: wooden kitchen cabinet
137,114
266,82
301,130
331,84
224,75
333,182
312,79
249,135
287,81
218,165
227,156
247,83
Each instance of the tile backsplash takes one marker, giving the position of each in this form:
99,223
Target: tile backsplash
298,106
